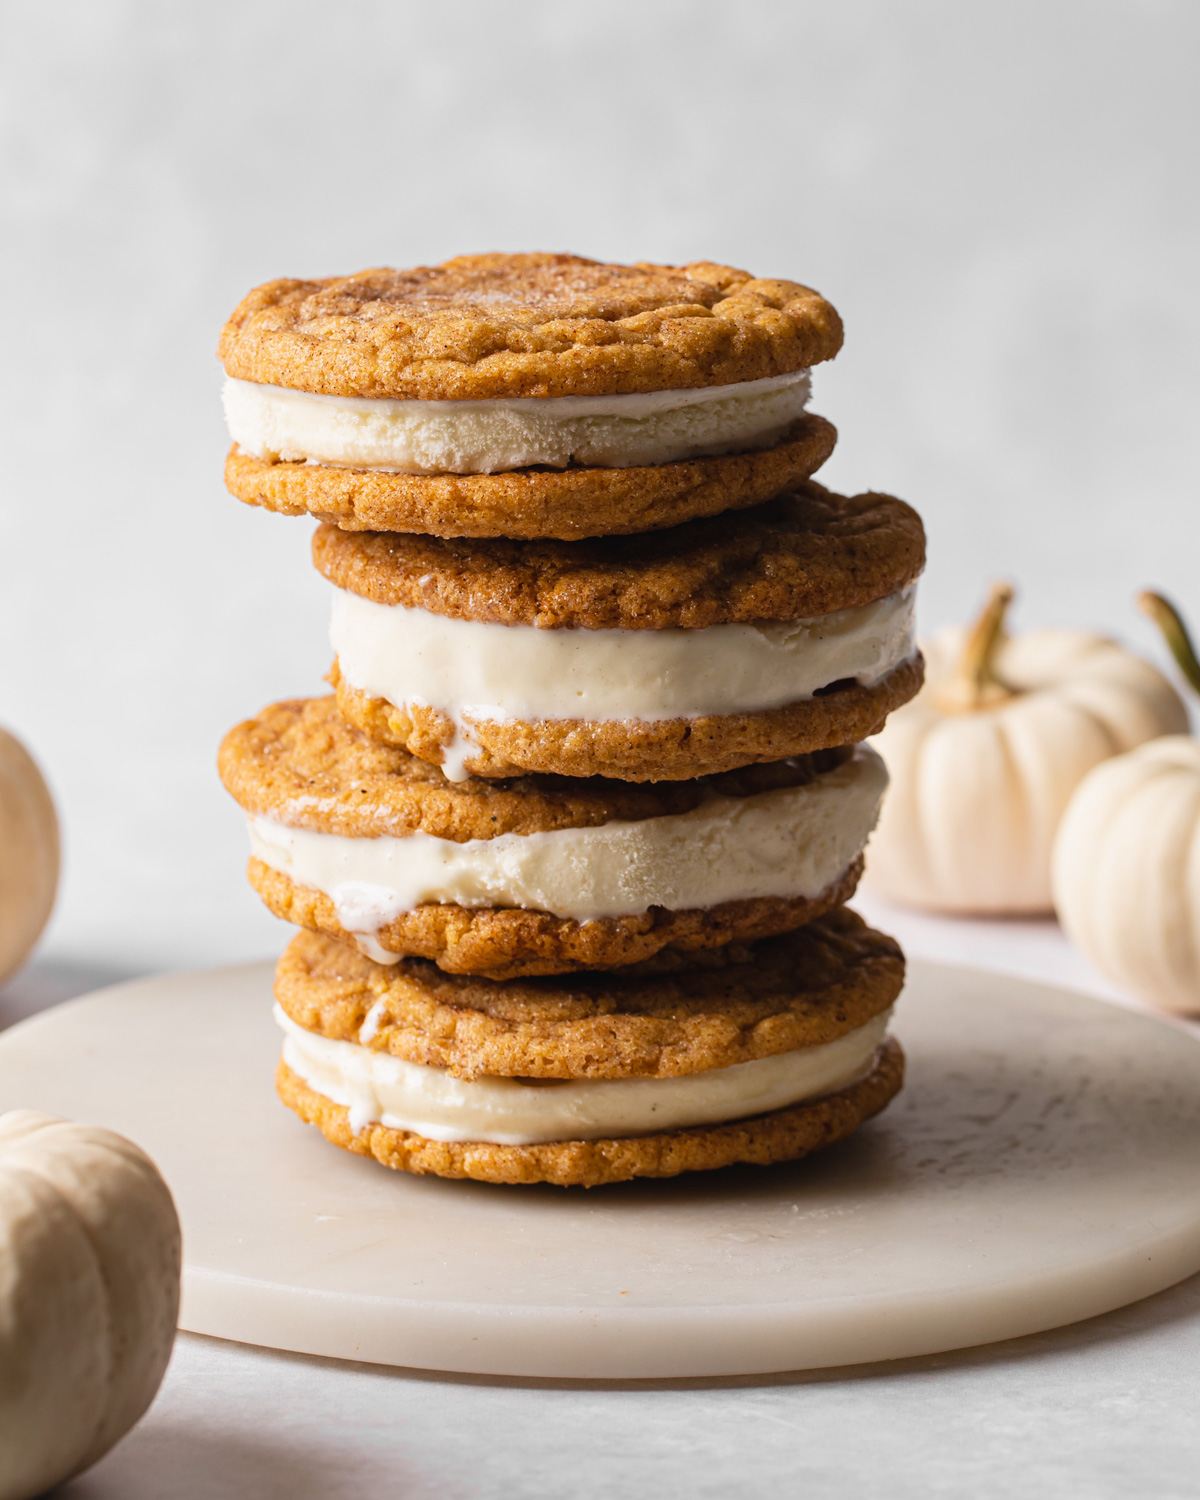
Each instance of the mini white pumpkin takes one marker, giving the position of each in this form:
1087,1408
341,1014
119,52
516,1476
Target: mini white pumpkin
89,1294
1127,858
28,854
983,762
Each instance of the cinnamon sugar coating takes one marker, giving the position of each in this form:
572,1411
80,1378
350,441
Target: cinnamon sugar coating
301,763
482,326
674,1014
801,555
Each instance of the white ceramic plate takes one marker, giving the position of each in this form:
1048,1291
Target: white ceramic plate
1042,1166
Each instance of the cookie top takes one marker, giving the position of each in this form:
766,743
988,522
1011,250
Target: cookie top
801,555
302,764
675,1014
482,326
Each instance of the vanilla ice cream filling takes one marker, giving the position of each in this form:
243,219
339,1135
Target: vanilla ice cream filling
486,437
475,671
379,1088
793,841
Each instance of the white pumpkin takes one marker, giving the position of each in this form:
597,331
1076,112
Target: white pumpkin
28,854
984,760
1127,871
1127,857
89,1294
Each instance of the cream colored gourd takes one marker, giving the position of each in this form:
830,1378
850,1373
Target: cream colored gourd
89,1294
28,854
1127,859
984,760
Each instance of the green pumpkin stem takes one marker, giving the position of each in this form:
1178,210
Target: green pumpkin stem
1175,633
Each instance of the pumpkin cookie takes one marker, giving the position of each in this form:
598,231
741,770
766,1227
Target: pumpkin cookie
687,1061
571,504
491,326
750,637
676,749
799,556
671,1016
760,1141
524,395
537,874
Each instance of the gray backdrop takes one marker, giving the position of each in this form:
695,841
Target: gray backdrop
1001,200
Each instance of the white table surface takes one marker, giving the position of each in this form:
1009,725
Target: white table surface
1105,1408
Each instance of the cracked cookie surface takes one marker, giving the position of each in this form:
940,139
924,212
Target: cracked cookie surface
799,556
675,1014
301,763
483,326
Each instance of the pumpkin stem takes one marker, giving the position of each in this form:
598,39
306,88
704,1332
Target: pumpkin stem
1175,633
976,681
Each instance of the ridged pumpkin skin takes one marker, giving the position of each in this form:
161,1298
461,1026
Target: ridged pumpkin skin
976,796
28,854
89,1295
1127,871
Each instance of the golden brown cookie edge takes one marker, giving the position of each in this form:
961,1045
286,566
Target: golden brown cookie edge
675,1014
528,504
800,555
638,749
784,1135
300,763
511,943
724,326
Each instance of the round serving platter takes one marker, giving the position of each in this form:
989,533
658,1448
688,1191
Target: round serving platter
1040,1167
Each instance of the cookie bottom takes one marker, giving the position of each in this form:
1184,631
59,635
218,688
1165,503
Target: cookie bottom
638,749
511,943
563,504
783,1135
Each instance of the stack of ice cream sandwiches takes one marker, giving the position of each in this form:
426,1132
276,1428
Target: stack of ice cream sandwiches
569,845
